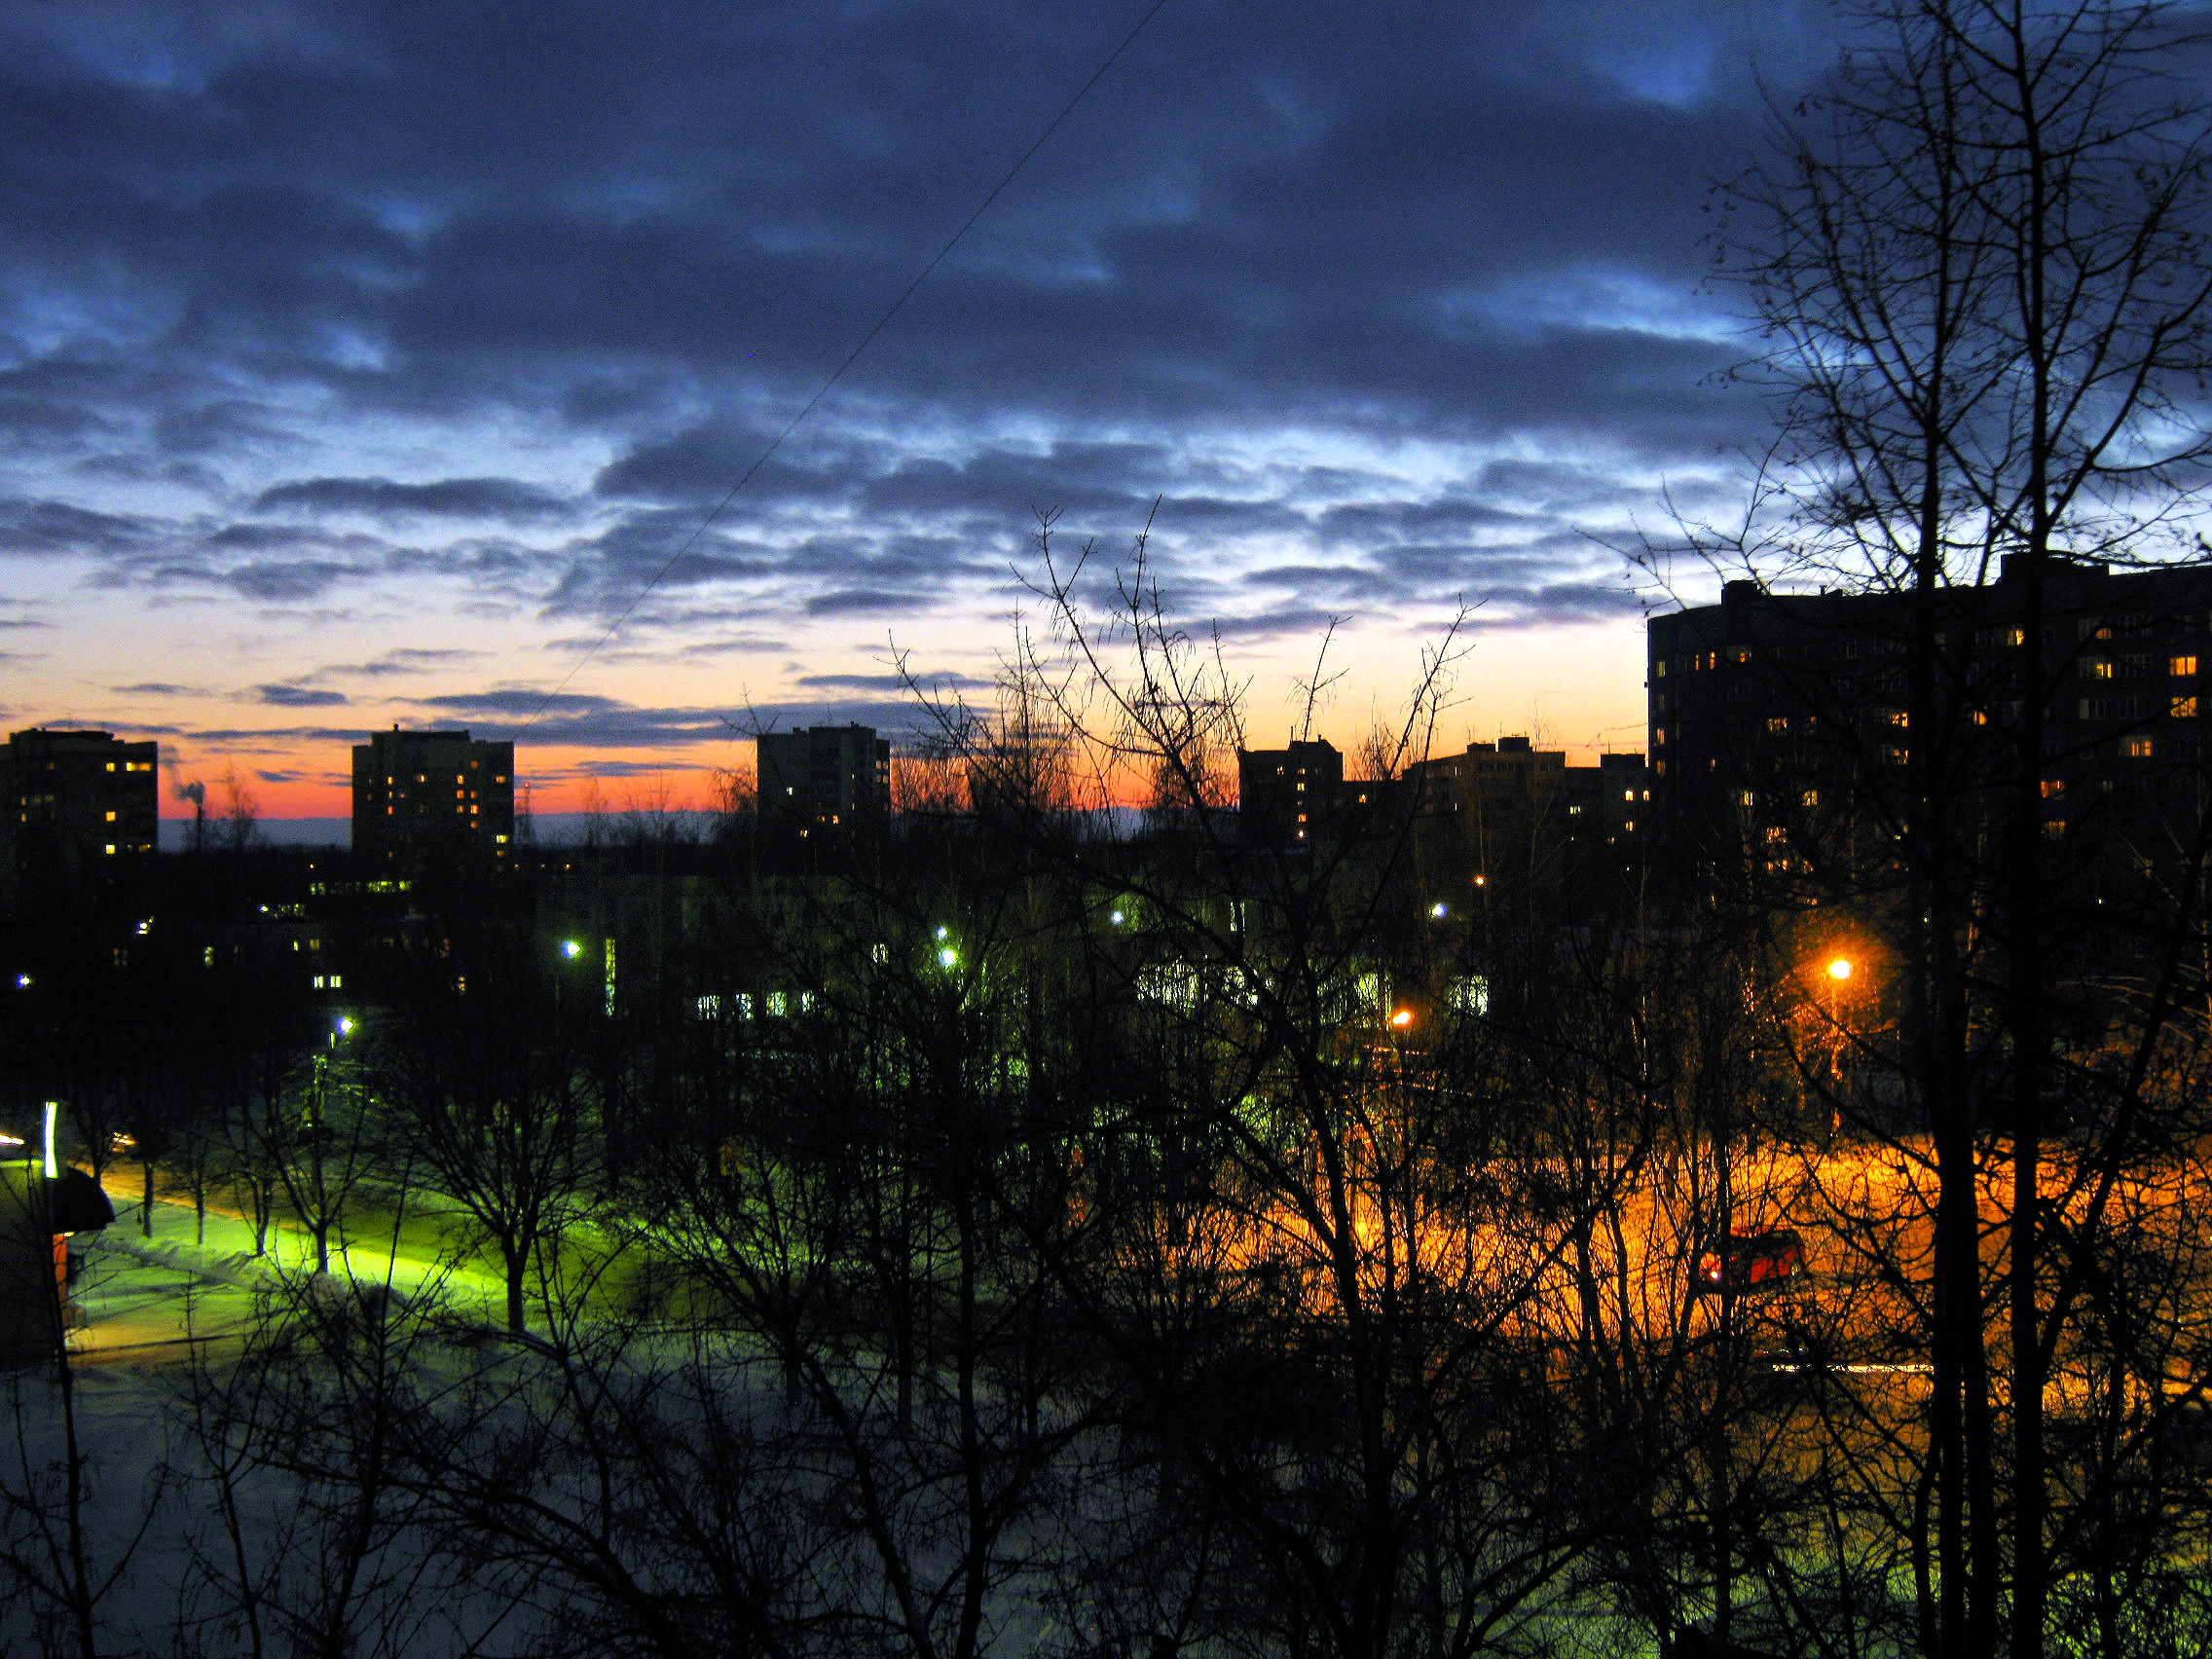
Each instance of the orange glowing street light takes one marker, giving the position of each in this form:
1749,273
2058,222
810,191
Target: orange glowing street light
1402,1018
1840,969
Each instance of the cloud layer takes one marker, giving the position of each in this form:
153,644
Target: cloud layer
319,323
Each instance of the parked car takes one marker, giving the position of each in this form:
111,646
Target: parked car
1750,1260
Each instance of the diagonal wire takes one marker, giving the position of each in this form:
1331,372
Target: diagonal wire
838,373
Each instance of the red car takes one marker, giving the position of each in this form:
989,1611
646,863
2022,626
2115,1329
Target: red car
1750,1261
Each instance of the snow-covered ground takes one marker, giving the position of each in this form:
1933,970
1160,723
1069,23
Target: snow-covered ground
154,1318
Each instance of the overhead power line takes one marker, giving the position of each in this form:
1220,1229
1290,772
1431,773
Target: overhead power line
838,373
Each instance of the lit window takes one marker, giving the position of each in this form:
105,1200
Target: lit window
1811,797
2180,665
2053,786
111,846
2096,668
2183,709
1778,723
2137,748
111,818
2054,829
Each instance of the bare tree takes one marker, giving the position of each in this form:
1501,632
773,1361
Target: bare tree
1977,255
484,1073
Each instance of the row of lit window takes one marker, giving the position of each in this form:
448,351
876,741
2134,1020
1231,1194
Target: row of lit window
2133,667
1696,662
777,1004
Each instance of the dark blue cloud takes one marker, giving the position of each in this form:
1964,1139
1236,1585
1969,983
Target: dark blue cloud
1379,305
520,700
383,497
299,697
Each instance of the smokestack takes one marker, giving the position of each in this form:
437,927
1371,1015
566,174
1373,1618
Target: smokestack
197,794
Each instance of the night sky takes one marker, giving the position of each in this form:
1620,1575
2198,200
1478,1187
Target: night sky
361,363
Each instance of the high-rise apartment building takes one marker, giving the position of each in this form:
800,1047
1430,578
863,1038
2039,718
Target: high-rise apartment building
1781,732
77,803
824,777
433,795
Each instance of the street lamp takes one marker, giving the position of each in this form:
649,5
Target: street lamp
1403,1018
571,949
1840,969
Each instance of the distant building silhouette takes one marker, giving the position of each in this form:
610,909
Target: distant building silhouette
1608,817
77,803
432,797
1494,817
1288,796
824,777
